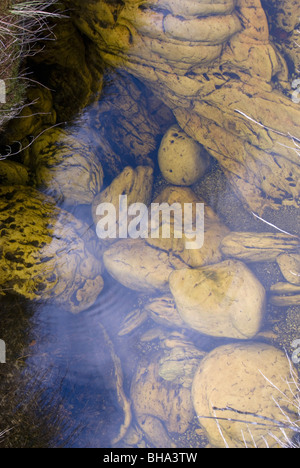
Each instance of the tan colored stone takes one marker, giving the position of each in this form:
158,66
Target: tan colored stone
161,407
214,230
241,394
140,267
285,294
225,299
136,184
181,159
289,265
285,288
257,247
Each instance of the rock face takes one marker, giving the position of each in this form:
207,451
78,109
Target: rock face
224,299
213,64
237,385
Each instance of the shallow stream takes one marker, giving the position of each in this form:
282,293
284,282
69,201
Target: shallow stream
96,378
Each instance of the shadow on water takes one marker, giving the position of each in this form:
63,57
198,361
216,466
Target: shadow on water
71,350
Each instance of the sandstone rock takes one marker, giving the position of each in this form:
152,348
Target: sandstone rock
214,230
224,299
285,288
257,247
138,266
182,160
242,395
135,184
66,167
47,255
161,407
285,294
221,90
290,267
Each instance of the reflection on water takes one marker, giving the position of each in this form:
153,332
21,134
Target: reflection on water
146,342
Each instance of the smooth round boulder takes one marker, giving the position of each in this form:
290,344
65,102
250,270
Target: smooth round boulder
242,394
181,159
222,300
289,265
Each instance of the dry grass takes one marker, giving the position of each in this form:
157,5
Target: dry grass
22,24
285,426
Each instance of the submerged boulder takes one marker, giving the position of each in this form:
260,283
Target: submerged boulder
135,185
161,407
254,247
224,300
66,167
46,254
243,395
184,229
181,159
140,267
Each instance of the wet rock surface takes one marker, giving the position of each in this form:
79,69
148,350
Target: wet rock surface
45,252
220,300
228,397
182,161
231,61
